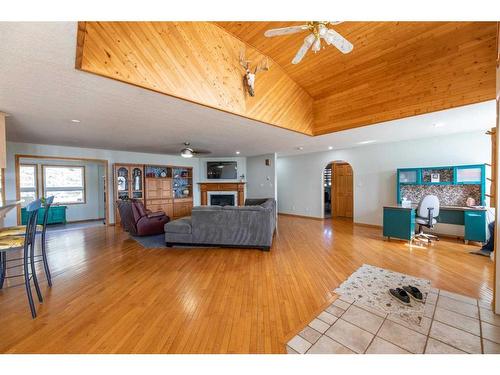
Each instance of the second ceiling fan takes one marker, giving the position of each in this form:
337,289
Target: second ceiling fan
319,30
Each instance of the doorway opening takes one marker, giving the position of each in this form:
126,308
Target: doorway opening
338,190
79,187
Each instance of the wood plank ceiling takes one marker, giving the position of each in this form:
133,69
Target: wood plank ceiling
195,61
396,70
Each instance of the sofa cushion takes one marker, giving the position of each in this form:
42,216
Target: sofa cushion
182,226
242,208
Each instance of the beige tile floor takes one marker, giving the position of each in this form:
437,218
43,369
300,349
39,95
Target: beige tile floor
452,324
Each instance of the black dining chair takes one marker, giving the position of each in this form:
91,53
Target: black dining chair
20,230
26,244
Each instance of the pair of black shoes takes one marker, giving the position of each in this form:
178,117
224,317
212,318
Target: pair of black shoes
406,293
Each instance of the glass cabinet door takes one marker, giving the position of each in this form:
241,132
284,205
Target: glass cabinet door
137,183
408,176
122,182
469,175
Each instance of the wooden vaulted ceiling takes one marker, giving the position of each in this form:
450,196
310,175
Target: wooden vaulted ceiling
396,70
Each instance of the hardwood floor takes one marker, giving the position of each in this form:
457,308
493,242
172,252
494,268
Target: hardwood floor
110,295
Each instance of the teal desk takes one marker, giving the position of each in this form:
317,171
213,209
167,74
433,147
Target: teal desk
399,222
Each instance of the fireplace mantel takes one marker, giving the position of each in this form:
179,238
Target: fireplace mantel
205,187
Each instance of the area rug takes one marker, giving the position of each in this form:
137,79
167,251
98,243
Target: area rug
157,241
369,285
151,242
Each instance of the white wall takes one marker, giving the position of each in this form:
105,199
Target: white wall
261,179
93,208
111,156
300,188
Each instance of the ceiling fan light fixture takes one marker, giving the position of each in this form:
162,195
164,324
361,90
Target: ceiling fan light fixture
187,153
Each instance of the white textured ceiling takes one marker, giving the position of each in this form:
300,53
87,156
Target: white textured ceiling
43,92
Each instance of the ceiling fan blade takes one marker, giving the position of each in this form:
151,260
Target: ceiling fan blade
308,41
342,44
202,152
285,30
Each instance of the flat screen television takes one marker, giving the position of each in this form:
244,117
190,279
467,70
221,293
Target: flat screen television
222,170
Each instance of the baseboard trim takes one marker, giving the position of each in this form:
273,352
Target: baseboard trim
302,216
365,225
84,221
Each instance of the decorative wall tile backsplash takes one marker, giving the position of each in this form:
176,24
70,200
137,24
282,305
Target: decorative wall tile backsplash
449,195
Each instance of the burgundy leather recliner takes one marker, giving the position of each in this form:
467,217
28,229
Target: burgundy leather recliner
139,221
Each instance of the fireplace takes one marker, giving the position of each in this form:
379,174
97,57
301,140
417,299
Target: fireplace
222,199
209,189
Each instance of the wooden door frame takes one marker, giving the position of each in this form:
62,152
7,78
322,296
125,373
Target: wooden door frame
104,162
333,187
496,260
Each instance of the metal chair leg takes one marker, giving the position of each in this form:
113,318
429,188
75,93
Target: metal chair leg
33,272
3,267
27,283
45,261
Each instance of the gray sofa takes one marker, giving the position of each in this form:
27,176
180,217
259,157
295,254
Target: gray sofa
251,225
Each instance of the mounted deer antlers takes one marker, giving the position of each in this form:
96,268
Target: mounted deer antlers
249,78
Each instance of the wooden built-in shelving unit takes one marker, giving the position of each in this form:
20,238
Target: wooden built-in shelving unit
160,187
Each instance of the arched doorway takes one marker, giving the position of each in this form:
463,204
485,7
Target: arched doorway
338,190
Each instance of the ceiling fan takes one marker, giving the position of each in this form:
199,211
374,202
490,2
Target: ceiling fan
189,152
319,30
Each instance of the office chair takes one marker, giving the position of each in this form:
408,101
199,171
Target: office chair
427,211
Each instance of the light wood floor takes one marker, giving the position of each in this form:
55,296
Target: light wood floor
112,296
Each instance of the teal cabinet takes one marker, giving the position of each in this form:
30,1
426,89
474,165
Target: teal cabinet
409,176
399,223
57,215
475,225
469,174
411,179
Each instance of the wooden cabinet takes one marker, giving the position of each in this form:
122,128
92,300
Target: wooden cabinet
169,189
160,188
182,208
159,195
128,181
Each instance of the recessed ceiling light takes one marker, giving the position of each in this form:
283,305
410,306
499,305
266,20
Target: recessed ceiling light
330,147
237,152
438,124
300,148
366,142
75,121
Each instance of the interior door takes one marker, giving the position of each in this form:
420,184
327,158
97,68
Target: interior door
342,201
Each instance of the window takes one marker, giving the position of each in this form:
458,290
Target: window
66,184
327,174
28,182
